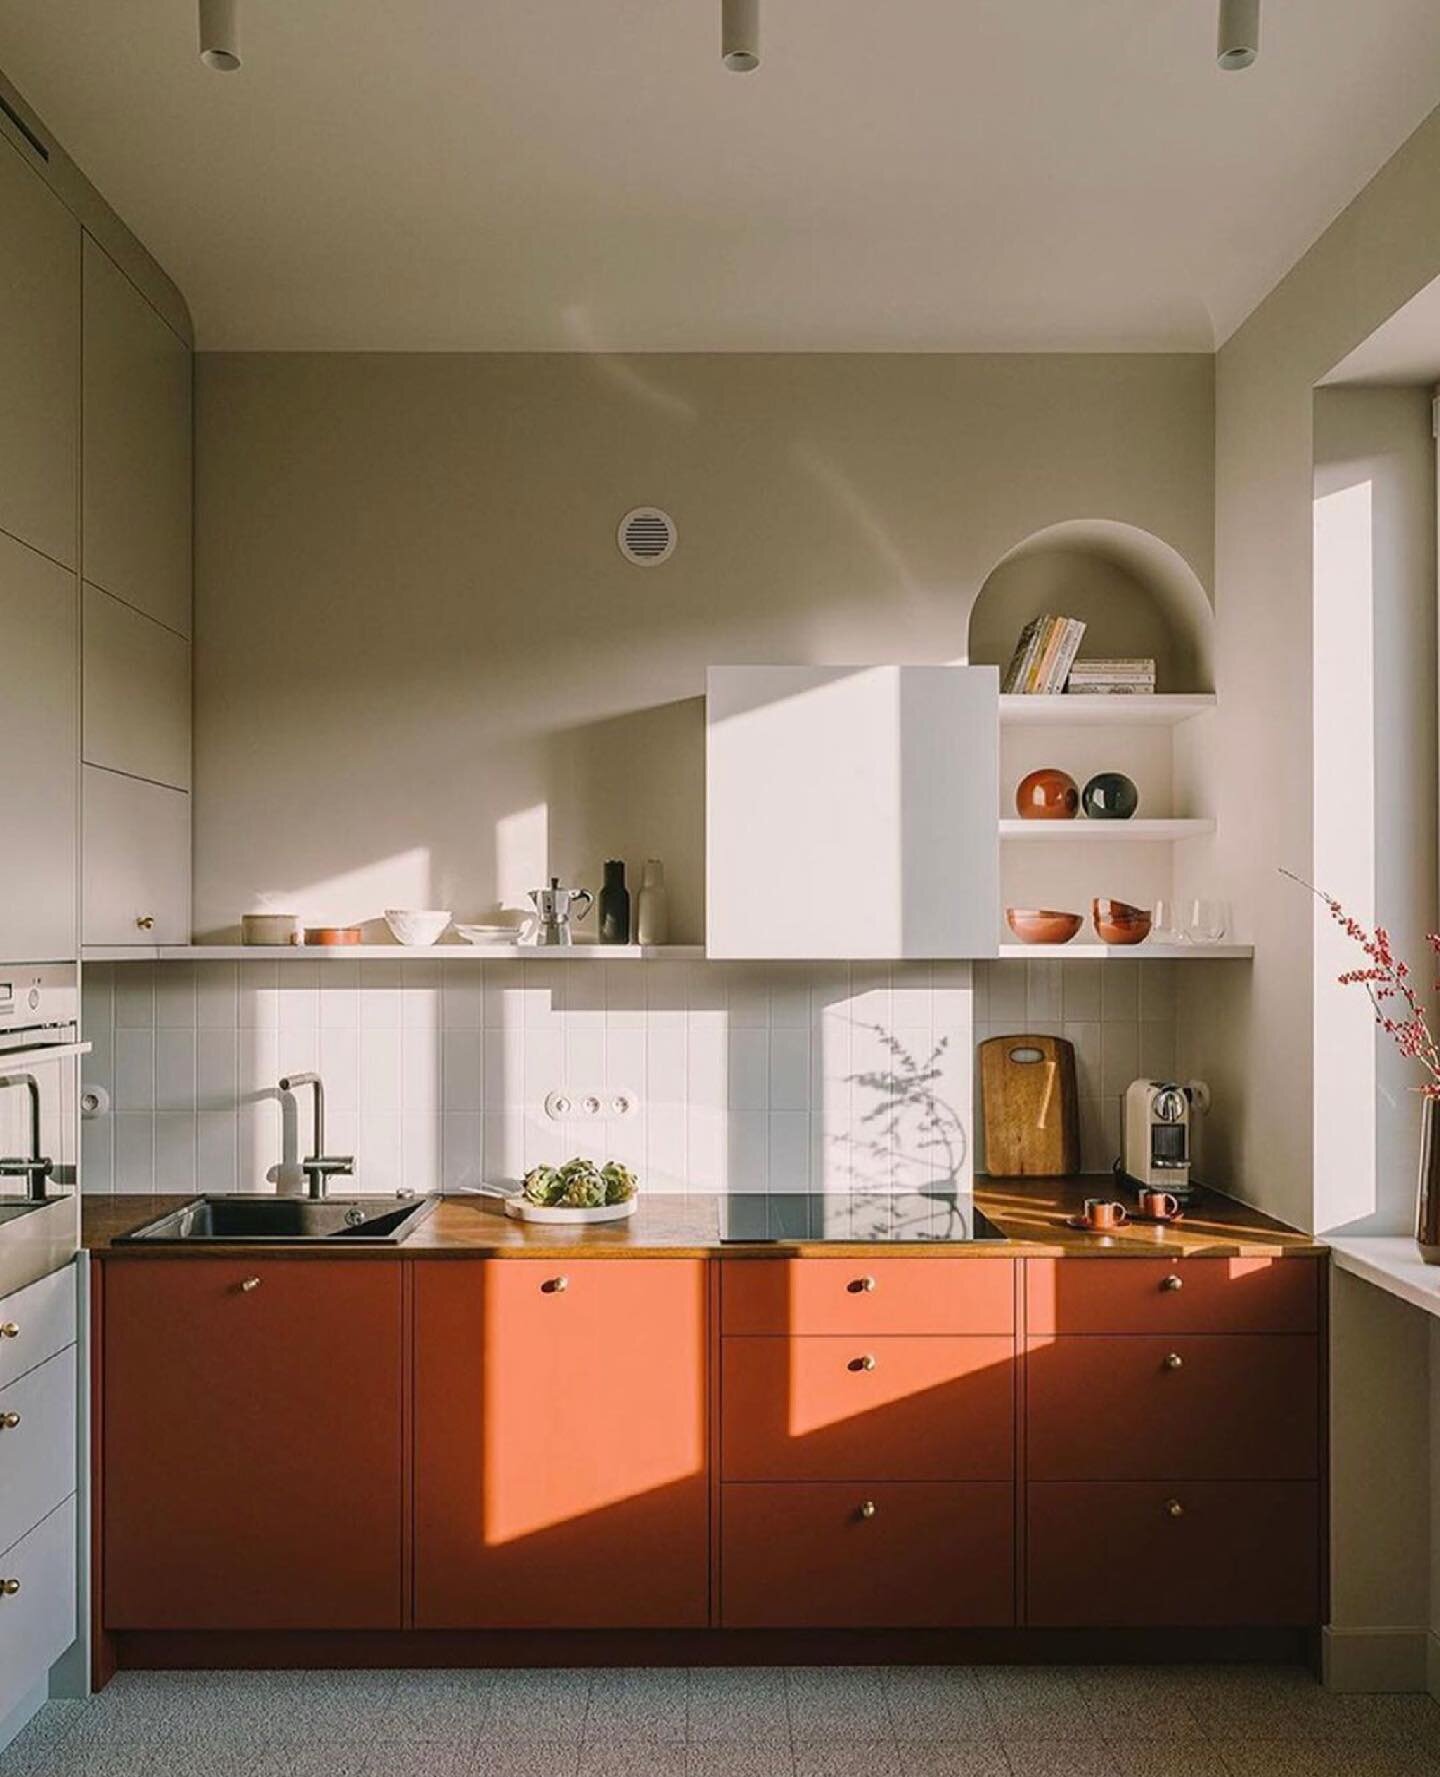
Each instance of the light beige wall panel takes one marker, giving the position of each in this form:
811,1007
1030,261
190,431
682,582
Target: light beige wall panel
40,696
137,861
39,361
424,670
136,693
137,448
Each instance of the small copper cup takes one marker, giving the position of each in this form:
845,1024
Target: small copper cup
1159,1205
1104,1214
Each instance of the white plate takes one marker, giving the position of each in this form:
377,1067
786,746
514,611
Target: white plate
490,934
524,1211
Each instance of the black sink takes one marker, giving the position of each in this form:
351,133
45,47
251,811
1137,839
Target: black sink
239,1221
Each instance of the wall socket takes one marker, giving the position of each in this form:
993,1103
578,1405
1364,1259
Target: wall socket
619,1101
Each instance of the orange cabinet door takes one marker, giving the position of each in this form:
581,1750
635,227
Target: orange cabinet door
1183,1554
867,1296
1158,1296
1233,1406
886,1555
251,1450
560,1444
894,1409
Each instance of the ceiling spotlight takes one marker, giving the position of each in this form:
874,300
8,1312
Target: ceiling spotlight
1239,40
219,35
740,35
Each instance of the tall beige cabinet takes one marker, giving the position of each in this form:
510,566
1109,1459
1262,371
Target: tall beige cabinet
136,561
95,569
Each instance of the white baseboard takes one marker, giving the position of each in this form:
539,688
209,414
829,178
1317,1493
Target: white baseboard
1367,1660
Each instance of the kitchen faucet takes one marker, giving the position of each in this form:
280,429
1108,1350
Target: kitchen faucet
36,1169
320,1166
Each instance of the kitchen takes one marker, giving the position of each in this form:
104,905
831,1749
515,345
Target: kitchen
478,1313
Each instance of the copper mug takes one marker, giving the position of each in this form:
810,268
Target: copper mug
1102,1213
1160,1206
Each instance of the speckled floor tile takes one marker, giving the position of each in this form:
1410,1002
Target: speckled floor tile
722,1758
539,1706
738,1703
632,1758
527,1758
935,1702
838,1758
953,1758
441,1705
1166,1758
1259,1757
637,1705
837,1703
1060,1758
1037,1703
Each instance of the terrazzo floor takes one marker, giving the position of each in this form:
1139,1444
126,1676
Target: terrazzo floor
796,1722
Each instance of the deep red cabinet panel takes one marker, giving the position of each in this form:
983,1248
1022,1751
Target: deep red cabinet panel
251,1443
560,1444
910,1554
1227,1406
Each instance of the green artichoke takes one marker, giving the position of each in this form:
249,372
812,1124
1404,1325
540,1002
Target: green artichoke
543,1185
581,1186
620,1182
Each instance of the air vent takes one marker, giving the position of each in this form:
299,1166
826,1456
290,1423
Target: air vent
647,536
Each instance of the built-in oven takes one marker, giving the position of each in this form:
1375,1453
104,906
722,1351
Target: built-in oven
40,1052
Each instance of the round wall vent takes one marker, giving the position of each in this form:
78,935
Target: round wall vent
647,536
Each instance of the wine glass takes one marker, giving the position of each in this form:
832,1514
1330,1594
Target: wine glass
1207,920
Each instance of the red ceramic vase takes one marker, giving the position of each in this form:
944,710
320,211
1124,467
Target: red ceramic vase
1047,795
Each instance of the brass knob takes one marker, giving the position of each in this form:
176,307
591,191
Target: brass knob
1174,1361
8,1588
556,1286
146,922
863,1286
9,1330
250,1283
867,1508
1174,1508
1172,1282
8,1421
865,1363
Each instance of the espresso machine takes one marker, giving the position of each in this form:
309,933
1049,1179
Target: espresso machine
1158,1120
555,907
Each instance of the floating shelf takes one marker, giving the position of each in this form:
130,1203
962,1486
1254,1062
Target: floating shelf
1101,832
287,953
1156,711
1134,953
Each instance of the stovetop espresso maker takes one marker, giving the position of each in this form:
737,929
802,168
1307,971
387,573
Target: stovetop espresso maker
555,907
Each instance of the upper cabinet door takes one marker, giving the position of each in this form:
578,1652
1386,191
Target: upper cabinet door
851,812
39,361
136,505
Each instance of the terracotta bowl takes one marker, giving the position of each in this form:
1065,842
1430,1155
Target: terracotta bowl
1117,922
1038,925
1047,795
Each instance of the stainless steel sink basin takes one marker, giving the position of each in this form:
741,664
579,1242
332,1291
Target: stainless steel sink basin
242,1221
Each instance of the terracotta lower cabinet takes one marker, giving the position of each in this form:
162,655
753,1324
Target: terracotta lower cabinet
252,1454
561,1478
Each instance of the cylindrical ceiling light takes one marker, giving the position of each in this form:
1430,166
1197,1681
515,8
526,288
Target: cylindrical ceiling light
219,35
740,35
1239,40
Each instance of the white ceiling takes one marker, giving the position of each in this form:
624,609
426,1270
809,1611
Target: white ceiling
917,175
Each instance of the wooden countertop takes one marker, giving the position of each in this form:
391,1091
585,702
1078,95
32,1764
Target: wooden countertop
1031,1213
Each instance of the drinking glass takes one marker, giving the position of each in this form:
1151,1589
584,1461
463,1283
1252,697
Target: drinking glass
1166,924
1207,920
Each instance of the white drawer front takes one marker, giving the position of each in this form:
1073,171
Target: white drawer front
35,1323
37,1451
37,1622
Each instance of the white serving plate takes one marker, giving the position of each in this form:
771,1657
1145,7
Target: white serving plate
524,1211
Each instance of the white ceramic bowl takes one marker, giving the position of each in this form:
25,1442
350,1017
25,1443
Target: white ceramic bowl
415,929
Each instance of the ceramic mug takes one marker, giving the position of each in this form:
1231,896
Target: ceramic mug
1100,1212
1160,1205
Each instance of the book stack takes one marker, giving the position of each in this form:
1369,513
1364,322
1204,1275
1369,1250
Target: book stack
1112,678
1043,656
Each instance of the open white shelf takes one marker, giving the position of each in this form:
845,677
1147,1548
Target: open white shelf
1079,951
1101,832
1165,710
287,953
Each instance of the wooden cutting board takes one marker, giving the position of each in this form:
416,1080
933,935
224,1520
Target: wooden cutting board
1027,1087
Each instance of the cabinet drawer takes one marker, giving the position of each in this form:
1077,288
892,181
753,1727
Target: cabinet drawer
42,1317
1158,1296
1111,1554
37,1452
867,1296
1238,1406
805,1555
38,1622
897,1409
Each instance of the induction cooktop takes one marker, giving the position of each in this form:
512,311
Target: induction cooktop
853,1216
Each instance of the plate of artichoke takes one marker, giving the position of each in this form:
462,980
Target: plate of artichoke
578,1191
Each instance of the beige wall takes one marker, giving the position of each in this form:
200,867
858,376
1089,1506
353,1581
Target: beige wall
1250,1032
418,650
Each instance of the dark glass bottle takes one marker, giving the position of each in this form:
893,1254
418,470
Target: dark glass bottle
614,904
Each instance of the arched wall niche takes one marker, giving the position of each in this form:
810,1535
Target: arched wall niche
1137,595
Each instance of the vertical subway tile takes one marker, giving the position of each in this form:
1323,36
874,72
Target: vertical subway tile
380,1071
544,1065
135,1070
338,1004
1119,992
503,1065
420,1053
625,1061
585,991
134,996
1084,1038
1157,990
340,1065
463,1069
1080,991
748,997
1119,1058
747,1151
216,1151
706,1158
748,1070
1043,992
1157,1050
666,1064
420,1163
624,996
134,1151
465,988
380,995
1007,994
789,1157
502,1156
789,1069
174,1153
175,996
97,1153
217,1005
665,1156
175,1071
258,993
